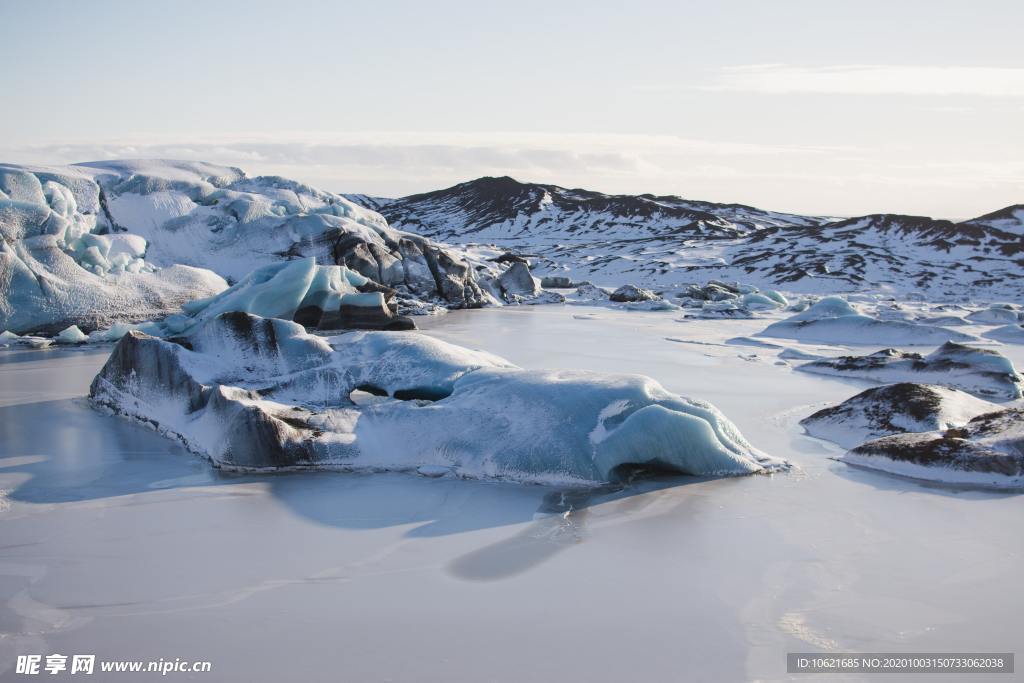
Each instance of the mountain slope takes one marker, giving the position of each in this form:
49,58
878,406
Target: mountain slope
664,241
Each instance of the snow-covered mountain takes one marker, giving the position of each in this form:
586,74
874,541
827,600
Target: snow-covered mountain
662,241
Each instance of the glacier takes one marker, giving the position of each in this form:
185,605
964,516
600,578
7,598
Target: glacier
260,393
127,241
63,263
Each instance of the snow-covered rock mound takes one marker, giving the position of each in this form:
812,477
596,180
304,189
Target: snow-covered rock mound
1009,334
252,392
987,451
895,409
718,299
64,262
658,241
834,320
982,372
996,314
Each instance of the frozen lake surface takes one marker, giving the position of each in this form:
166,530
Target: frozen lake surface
117,542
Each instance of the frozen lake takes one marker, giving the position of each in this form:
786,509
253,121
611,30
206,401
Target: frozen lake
117,542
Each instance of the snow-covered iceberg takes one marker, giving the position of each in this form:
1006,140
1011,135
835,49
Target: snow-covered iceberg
252,392
895,409
982,372
63,262
988,451
833,320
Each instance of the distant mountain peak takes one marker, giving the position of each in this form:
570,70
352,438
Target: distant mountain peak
657,240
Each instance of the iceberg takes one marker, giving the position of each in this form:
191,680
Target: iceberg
71,335
328,297
719,299
833,320
256,393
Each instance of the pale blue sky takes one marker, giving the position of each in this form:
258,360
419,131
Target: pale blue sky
824,106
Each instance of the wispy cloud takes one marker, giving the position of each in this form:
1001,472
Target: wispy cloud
806,178
861,79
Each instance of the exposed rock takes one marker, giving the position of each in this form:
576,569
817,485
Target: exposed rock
631,293
592,292
556,282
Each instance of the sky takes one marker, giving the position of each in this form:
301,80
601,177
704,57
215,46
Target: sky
827,107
